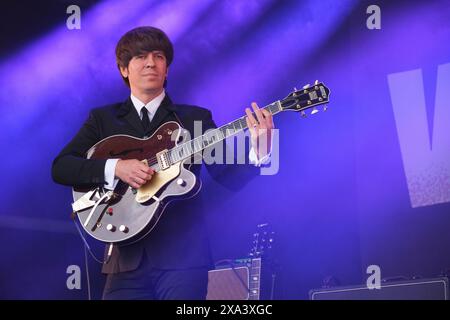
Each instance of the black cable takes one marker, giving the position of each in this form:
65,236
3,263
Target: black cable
87,245
87,273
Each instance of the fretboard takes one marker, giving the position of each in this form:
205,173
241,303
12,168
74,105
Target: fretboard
255,279
189,148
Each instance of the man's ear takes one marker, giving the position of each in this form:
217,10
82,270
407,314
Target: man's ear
124,72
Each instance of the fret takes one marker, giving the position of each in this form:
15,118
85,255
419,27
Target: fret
181,151
254,276
185,148
243,123
220,134
233,128
217,135
236,126
256,263
229,130
223,130
198,145
211,138
172,156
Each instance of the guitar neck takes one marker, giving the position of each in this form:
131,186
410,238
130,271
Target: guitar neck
212,137
299,100
254,286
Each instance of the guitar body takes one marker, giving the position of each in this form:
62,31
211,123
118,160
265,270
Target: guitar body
130,214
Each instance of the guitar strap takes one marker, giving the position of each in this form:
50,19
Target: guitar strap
178,119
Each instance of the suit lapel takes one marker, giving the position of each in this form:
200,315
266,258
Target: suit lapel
128,112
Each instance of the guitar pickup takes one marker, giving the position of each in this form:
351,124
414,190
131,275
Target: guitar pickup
163,159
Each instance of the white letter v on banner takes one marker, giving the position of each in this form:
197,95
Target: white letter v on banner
427,167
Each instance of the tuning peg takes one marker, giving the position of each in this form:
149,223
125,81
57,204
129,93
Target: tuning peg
316,82
314,110
325,107
303,114
306,86
295,89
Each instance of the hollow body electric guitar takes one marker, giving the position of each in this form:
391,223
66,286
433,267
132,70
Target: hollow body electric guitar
125,215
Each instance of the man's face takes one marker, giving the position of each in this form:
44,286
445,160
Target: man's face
146,72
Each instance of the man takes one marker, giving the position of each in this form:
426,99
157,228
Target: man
172,262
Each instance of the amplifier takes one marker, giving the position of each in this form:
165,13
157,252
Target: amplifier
420,289
247,279
228,284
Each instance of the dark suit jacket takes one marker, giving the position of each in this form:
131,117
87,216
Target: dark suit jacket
180,239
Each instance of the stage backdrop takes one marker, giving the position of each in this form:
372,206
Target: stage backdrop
365,183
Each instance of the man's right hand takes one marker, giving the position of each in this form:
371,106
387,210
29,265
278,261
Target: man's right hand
133,172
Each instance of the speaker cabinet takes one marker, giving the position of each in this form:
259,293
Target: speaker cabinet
228,284
246,279
421,289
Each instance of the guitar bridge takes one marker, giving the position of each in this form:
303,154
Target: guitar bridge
163,159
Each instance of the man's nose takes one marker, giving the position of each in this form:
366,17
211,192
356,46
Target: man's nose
150,62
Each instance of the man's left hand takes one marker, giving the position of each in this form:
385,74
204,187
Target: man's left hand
260,129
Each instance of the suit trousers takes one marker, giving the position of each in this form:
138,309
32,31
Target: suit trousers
149,283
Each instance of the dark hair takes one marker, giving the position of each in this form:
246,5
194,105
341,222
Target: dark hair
142,40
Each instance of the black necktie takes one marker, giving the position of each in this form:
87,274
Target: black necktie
145,119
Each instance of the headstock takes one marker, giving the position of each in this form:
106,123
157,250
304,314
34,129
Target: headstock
306,98
263,240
